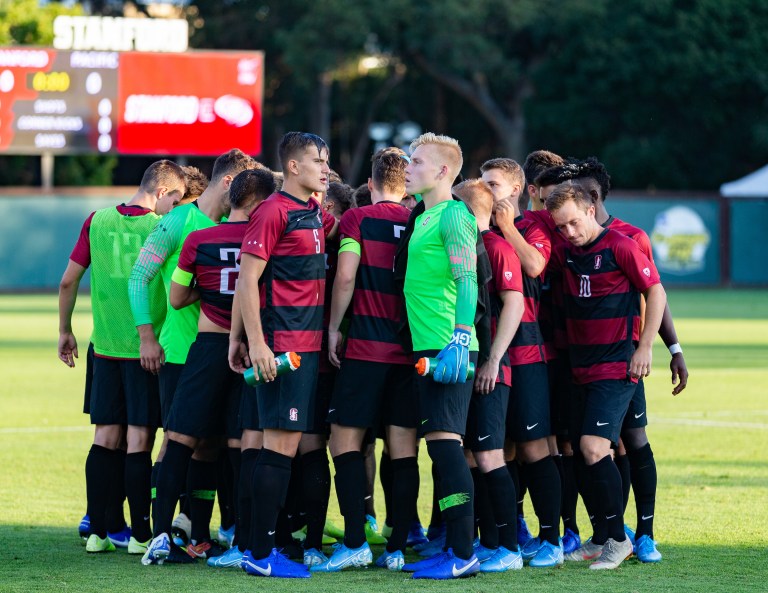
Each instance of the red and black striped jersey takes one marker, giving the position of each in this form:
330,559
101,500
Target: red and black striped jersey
377,303
507,275
602,283
331,261
637,234
211,256
546,313
289,234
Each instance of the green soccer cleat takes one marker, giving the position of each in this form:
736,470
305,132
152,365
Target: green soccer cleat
96,545
332,531
372,535
137,547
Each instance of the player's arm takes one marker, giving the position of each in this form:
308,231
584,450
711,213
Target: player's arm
182,292
159,245
343,289
512,308
330,225
251,269
238,353
531,260
458,230
70,282
655,301
677,363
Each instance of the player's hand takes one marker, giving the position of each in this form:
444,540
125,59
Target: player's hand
335,345
152,355
67,349
679,372
238,356
504,214
454,359
263,359
485,379
640,364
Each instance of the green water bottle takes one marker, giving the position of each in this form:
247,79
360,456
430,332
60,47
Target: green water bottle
288,361
426,367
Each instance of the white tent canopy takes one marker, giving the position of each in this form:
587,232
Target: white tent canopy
754,185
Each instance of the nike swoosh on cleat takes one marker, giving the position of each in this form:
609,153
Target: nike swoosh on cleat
265,571
648,517
638,415
603,423
531,427
483,438
457,572
270,533
331,410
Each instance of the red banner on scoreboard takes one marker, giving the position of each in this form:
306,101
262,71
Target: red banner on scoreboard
200,103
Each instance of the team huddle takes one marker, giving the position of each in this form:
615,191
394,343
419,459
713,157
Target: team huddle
514,341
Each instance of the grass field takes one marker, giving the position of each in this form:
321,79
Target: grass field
711,446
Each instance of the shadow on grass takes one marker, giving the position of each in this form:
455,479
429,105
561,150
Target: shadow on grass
54,559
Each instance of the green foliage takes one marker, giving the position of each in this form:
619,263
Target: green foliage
25,22
87,169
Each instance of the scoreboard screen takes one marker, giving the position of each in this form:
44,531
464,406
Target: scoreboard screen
194,103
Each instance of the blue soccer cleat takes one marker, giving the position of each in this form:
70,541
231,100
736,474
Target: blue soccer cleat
157,551
229,559
646,551
450,567
481,551
435,531
274,565
548,556
226,536
426,563
531,548
571,541
313,557
393,561
630,533
502,561
523,535
84,529
120,538
344,557
416,535
431,548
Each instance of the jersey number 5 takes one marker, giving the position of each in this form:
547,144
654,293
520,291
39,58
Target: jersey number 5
229,275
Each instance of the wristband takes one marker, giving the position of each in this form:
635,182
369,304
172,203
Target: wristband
675,349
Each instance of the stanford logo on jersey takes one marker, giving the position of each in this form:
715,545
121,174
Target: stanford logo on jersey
293,415
647,272
508,276
598,261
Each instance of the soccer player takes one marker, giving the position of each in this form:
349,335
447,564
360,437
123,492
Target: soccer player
441,299
528,422
376,376
536,163
207,402
167,355
280,295
122,393
197,182
604,274
488,408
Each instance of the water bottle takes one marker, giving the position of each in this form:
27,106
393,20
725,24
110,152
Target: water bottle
288,361
426,367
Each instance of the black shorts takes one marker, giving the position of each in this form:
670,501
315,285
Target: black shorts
600,408
369,392
636,416
324,390
486,422
169,376
124,393
528,412
249,409
561,393
288,402
442,407
208,392
88,379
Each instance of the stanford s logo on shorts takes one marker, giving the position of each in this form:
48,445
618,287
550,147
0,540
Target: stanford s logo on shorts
293,415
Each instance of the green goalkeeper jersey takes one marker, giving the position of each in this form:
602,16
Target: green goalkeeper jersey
161,254
441,276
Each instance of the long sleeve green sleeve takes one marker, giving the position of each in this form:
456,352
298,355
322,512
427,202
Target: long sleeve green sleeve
459,232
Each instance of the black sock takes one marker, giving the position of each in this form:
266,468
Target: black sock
643,471
512,468
248,460
224,478
622,464
586,490
153,489
436,519
350,490
405,492
294,507
234,463
522,472
138,477
100,472
544,485
316,478
269,484
457,493
201,490
117,495
501,492
483,511
570,495
606,483
385,477
370,480
171,480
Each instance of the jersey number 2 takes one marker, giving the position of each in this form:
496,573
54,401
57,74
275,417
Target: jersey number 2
229,275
